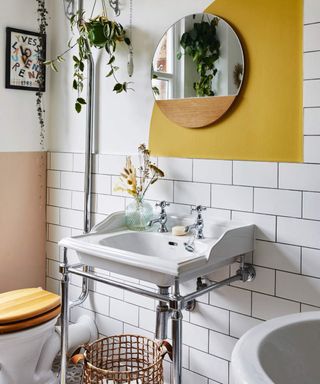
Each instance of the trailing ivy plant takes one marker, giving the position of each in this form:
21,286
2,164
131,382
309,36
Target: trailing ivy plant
42,26
100,33
203,45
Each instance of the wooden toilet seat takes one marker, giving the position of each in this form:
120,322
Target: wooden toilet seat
26,308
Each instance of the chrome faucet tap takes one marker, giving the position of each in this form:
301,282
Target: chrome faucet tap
162,219
198,225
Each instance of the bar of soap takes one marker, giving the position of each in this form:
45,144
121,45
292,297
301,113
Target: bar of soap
179,230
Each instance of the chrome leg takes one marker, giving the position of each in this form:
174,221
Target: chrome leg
176,318
64,317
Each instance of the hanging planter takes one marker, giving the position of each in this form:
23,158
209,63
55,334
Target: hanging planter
101,33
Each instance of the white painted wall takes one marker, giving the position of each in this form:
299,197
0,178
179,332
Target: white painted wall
19,128
118,116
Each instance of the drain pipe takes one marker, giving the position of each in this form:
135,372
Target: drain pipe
87,217
162,316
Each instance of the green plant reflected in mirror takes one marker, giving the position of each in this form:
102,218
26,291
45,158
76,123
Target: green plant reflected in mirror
199,57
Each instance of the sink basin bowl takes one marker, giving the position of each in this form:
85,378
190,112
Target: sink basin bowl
160,257
285,350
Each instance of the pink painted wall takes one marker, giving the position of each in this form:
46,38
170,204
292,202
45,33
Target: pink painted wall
22,219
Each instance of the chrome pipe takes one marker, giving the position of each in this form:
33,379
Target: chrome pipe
212,286
84,292
128,287
64,317
176,319
162,316
87,220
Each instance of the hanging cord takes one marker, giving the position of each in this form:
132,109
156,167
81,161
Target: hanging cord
130,65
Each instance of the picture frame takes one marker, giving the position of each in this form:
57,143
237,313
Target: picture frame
25,54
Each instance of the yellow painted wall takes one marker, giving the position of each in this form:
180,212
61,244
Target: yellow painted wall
265,123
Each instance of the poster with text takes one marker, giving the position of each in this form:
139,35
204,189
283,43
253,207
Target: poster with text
25,55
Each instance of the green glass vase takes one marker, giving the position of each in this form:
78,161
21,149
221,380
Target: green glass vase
138,214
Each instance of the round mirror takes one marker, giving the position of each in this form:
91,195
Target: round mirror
197,70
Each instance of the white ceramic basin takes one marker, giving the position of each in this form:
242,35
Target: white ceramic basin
285,350
160,257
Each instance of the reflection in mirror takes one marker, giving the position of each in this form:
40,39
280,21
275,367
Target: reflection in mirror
199,56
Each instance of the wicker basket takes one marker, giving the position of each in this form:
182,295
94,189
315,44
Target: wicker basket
122,359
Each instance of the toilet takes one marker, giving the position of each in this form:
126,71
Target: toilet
27,325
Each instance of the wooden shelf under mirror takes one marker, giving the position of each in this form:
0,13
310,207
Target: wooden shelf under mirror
195,112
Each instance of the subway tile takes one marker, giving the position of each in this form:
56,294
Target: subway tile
56,233
221,345
192,193
161,190
139,300
311,205
109,204
210,317
78,162
71,218
189,377
305,177
299,288
175,168
131,330
53,285
53,269
311,11
311,262
299,232
53,179
308,308
311,37
258,174
220,214
111,164
311,149
147,319
312,121
72,180
52,215
101,184
60,198
311,65
212,171
311,92
108,326
277,256
97,303
52,251
240,324
277,202
265,224
209,366
108,290
196,337
232,197
61,161
232,298
264,281
77,200
267,307
124,311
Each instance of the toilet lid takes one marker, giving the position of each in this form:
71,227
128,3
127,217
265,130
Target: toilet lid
26,304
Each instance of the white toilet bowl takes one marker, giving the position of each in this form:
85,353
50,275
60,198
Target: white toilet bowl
20,356
29,339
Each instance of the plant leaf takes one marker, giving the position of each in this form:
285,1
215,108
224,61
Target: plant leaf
80,100
78,107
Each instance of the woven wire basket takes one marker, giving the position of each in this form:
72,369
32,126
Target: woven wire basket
123,359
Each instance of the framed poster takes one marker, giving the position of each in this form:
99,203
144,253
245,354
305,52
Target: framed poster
25,54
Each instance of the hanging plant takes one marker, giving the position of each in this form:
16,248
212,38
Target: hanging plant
42,26
100,33
202,44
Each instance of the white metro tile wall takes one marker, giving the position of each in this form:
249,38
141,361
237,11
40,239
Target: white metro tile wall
283,200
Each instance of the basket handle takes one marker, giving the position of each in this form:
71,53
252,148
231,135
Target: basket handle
166,348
